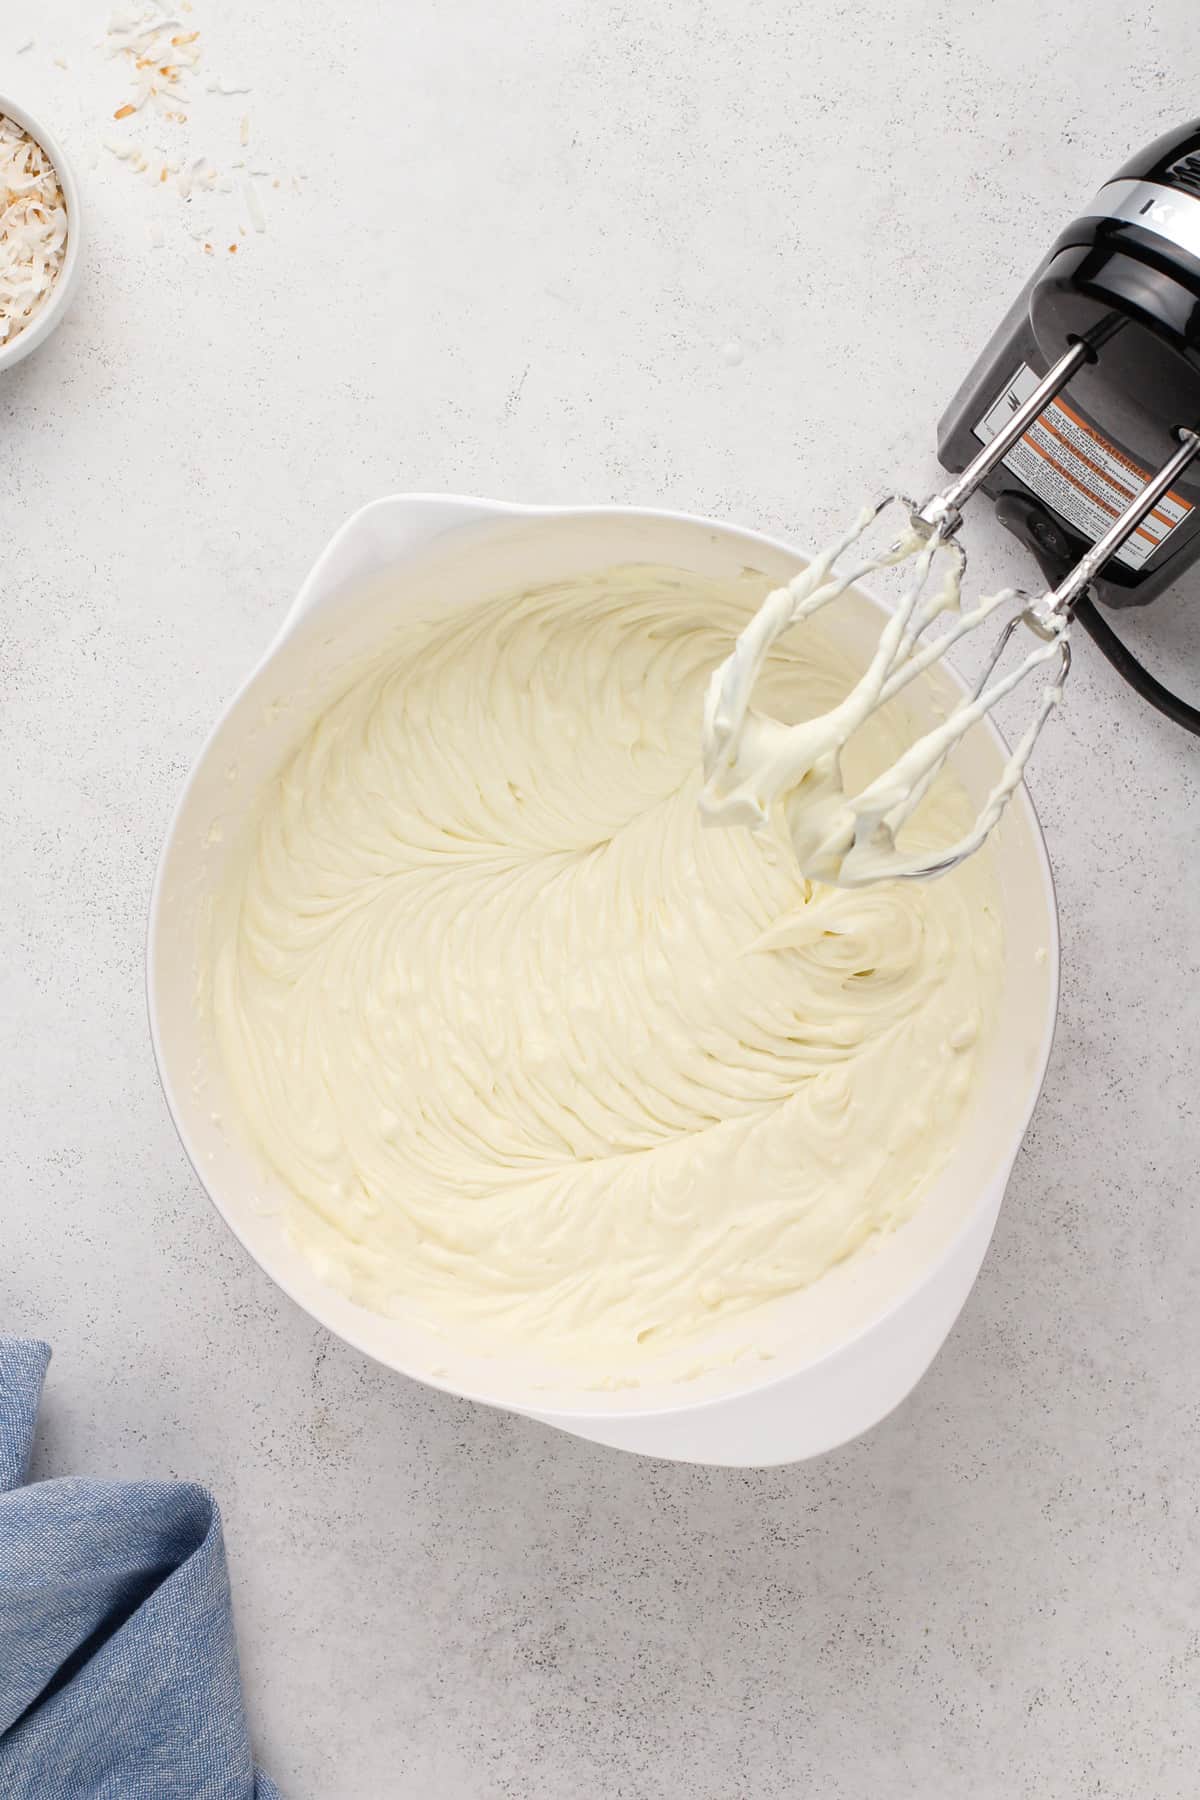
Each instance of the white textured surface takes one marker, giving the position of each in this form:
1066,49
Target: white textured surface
710,255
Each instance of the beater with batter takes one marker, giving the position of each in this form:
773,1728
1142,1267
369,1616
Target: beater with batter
753,763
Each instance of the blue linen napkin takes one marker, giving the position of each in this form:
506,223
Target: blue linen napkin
118,1665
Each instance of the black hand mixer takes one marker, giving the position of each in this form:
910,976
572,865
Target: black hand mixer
1081,421
1090,385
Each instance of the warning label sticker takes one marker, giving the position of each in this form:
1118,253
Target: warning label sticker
1087,480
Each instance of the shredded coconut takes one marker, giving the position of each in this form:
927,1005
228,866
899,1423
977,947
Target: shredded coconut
166,57
254,206
33,229
160,51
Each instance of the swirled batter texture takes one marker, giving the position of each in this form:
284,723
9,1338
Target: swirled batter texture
539,1059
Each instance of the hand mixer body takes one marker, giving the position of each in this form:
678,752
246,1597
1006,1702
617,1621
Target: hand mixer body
1123,278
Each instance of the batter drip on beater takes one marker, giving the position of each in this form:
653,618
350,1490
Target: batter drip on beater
754,763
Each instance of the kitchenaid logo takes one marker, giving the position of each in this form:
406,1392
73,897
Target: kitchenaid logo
1159,212
1171,213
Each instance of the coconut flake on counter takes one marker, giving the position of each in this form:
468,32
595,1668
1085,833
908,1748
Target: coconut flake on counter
33,228
190,175
161,51
254,206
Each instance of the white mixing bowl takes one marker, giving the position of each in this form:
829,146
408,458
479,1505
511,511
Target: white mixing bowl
844,1352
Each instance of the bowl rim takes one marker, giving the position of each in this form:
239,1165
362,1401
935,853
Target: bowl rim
60,295
578,1411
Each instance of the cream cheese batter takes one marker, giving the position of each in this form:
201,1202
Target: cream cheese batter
538,1059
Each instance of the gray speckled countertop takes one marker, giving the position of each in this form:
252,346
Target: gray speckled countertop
533,231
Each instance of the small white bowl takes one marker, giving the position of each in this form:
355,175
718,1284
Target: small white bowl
67,281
